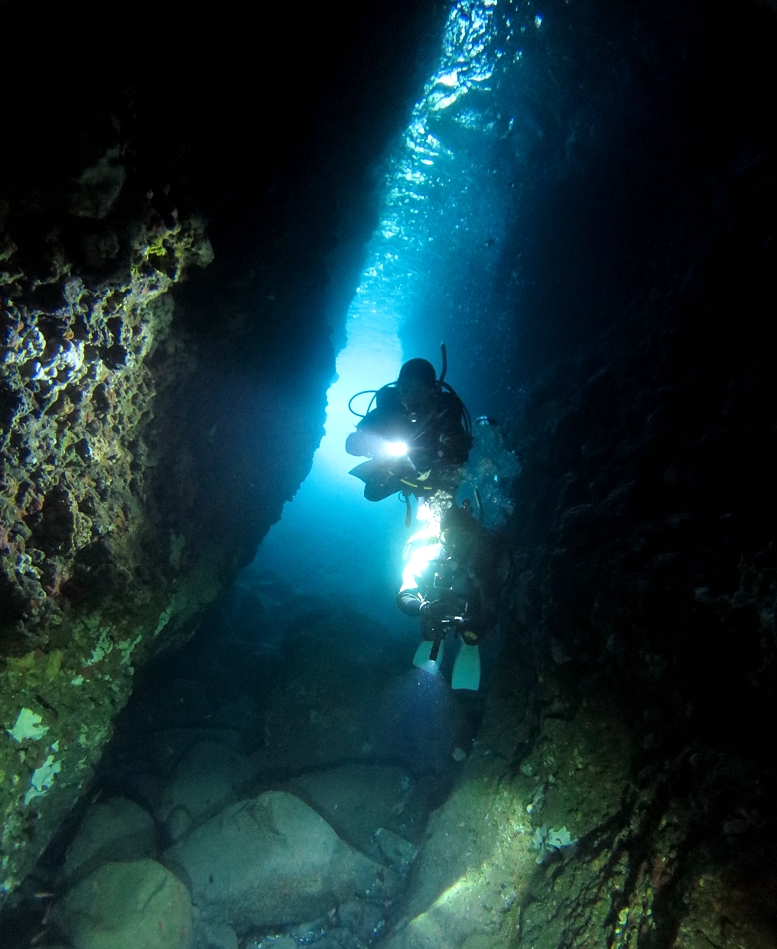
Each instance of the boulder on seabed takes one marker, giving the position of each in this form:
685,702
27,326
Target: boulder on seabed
205,780
137,905
170,745
113,830
272,861
357,799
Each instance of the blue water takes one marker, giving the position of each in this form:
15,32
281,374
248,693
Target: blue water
519,144
444,210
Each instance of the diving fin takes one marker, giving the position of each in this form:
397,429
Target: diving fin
466,669
423,659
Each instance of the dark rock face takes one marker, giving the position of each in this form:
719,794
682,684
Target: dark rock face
645,606
645,597
149,441
90,570
79,382
648,541
633,714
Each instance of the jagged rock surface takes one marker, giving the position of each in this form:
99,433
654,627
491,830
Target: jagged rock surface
148,442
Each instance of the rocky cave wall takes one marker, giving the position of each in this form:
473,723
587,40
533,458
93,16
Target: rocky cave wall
643,619
150,437
621,792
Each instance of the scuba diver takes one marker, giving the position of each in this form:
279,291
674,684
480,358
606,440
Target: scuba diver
416,436
453,579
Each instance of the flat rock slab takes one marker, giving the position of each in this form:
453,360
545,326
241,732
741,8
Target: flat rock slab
137,905
272,861
359,799
205,780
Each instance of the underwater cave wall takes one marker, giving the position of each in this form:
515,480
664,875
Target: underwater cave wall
89,573
631,712
645,597
150,437
620,792
645,511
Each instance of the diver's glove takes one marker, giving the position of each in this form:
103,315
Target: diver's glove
436,610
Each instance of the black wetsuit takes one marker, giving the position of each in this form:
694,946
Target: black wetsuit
438,441
450,585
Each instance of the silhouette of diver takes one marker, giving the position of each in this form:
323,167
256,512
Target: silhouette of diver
417,436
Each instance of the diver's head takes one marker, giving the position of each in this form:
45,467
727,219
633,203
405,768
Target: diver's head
458,530
416,385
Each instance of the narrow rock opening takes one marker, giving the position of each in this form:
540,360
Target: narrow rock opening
218,730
